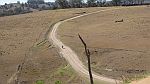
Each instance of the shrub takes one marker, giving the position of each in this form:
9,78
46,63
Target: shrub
58,82
39,82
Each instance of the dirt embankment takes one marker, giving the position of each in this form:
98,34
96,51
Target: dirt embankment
118,49
23,40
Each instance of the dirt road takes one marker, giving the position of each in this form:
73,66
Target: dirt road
143,81
71,56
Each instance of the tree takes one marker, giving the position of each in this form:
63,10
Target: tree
22,5
35,1
100,2
5,3
18,10
62,3
25,4
91,3
116,2
140,1
131,1
76,3
18,2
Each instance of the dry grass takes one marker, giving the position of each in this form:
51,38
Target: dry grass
117,49
22,39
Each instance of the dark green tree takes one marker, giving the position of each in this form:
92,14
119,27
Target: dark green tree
62,3
116,2
99,2
75,3
91,3
35,1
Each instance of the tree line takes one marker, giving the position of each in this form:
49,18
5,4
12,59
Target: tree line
79,3
96,3
19,8
127,2
14,9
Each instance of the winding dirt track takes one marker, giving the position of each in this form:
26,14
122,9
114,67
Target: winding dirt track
72,57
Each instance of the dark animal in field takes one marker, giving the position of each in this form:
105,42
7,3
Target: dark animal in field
63,47
119,21
81,12
84,12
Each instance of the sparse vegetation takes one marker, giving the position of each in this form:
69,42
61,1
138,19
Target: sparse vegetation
58,82
65,72
39,82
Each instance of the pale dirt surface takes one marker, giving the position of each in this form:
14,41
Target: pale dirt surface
142,81
118,50
22,40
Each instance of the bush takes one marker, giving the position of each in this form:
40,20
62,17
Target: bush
39,82
58,82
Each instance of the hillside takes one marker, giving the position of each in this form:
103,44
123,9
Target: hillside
23,41
118,49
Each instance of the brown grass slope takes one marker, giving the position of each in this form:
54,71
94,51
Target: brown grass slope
119,49
23,40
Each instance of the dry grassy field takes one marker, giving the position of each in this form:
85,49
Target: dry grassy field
23,40
118,49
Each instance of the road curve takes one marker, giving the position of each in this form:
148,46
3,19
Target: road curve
71,56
